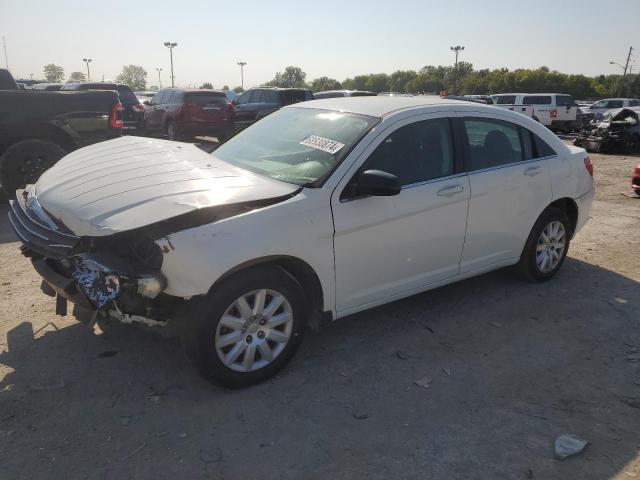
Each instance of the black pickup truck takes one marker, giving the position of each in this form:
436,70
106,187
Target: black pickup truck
38,127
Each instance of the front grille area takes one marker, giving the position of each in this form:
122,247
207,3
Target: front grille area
37,235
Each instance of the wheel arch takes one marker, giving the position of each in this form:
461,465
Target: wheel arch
570,207
300,271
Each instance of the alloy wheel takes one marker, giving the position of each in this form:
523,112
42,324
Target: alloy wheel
254,330
551,246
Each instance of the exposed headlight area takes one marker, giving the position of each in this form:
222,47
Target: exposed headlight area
116,273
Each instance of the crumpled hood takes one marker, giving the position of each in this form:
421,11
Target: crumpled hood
131,182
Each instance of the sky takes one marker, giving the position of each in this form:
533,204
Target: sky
335,38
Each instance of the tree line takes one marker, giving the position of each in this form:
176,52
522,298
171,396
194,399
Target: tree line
463,80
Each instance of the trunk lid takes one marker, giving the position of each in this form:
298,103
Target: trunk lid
132,182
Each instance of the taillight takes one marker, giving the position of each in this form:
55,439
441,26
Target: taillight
588,165
116,116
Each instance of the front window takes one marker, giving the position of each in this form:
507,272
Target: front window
296,145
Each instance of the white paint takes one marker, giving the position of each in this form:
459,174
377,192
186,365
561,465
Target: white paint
385,248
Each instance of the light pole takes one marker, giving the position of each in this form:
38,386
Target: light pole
456,49
87,61
242,64
6,60
170,46
159,79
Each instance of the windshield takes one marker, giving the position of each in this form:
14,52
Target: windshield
296,145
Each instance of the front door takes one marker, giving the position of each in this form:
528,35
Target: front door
390,247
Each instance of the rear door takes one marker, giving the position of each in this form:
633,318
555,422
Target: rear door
243,104
153,112
509,187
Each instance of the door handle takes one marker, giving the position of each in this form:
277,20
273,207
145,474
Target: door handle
532,171
450,190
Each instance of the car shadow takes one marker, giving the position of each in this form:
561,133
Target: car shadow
502,368
6,232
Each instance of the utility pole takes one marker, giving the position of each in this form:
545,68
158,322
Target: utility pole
159,79
242,64
6,60
170,46
626,66
457,49
87,61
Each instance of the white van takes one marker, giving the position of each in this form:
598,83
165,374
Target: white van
554,110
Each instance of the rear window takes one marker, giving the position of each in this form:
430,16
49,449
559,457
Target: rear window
126,95
634,103
537,100
205,98
505,99
565,101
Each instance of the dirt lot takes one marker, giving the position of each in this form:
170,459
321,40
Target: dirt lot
513,365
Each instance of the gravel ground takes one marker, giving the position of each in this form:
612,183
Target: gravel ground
512,366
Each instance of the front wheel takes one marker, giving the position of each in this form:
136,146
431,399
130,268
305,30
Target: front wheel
547,246
248,328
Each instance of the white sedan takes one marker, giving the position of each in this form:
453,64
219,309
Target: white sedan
318,211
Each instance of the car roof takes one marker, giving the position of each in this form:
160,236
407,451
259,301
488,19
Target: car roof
534,94
377,106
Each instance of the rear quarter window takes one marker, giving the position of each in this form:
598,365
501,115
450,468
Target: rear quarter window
505,99
565,101
537,100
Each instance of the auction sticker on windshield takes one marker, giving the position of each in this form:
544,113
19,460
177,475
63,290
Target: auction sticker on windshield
324,144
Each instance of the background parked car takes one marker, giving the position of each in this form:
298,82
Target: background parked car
47,86
257,103
133,109
635,180
38,128
554,110
187,113
342,93
599,108
145,95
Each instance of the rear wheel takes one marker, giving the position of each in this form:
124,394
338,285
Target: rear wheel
248,328
172,131
547,246
23,162
632,145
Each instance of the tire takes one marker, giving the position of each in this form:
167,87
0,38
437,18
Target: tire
223,359
637,190
23,162
172,131
531,265
633,144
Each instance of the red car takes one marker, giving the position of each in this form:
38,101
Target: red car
635,180
183,114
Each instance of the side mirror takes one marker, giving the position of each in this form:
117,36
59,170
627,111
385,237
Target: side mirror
377,183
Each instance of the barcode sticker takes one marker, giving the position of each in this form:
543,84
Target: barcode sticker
324,144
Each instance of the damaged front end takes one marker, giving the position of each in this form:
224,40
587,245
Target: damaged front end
119,275
617,132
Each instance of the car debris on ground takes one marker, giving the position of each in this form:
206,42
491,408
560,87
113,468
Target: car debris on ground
567,445
618,131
